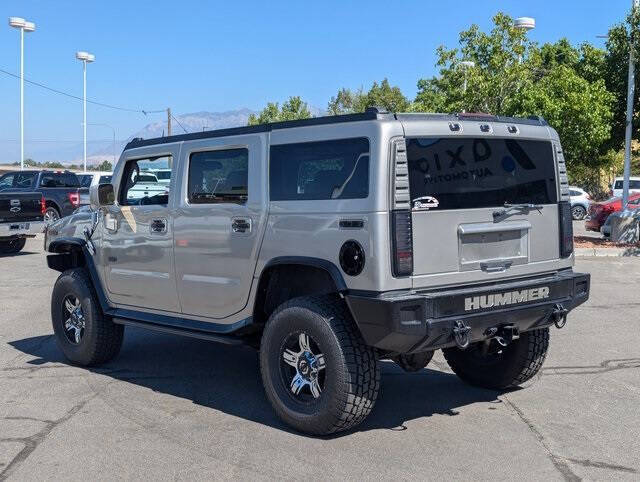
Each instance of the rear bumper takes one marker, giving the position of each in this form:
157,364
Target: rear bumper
21,229
418,321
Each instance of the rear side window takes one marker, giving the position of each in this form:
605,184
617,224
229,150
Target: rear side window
17,180
575,193
106,179
59,179
337,169
219,176
467,173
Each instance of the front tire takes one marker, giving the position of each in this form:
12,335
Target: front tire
512,366
83,333
12,246
318,373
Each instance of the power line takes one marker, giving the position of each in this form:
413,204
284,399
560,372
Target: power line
178,122
56,140
101,104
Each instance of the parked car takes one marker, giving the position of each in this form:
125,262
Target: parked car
606,227
617,186
580,202
21,217
599,212
330,243
145,185
59,188
89,179
163,175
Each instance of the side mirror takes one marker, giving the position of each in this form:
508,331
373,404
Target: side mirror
101,195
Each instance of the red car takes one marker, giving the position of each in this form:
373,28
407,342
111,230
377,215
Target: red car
599,212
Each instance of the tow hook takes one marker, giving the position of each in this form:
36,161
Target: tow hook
559,316
461,334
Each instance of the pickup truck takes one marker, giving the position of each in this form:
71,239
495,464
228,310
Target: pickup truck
59,189
21,217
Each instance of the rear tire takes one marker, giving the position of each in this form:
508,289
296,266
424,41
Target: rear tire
12,246
346,381
83,333
515,365
51,215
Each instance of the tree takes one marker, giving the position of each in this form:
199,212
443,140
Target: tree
382,95
294,108
103,166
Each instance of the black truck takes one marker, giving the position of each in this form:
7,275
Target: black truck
60,189
21,217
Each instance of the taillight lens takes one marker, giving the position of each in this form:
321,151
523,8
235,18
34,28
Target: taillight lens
74,197
566,229
402,243
43,206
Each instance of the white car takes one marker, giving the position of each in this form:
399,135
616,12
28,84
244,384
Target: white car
146,185
616,187
580,202
89,179
163,175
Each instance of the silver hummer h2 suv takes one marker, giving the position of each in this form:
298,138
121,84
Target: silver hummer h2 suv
329,244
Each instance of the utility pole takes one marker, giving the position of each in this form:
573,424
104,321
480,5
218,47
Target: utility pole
168,121
631,84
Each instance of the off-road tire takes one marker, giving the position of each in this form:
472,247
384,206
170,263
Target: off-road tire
518,363
352,377
102,338
12,246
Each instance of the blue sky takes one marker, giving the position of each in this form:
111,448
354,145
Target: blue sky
205,55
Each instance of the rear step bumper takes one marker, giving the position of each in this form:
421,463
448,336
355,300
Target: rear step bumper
416,321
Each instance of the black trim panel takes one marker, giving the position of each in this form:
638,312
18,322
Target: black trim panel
328,266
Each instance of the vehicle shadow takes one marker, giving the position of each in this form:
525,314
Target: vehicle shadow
228,379
20,253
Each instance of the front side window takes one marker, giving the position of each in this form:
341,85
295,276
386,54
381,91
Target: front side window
218,176
337,169
85,180
104,180
139,187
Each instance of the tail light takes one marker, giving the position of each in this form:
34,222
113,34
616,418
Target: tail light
43,206
74,197
402,243
566,229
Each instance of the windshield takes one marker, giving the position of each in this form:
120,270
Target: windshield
463,173
163,175
146,178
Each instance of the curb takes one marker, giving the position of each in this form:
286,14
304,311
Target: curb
611,252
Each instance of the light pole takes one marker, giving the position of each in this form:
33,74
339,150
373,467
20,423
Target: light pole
631,84
24,26
466,65
86,58
525,24
114,139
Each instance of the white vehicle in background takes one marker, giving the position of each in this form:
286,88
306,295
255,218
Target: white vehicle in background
89,179
163,175
146,185
616,187
580,202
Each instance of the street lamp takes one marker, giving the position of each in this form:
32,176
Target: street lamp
24,26
466,65
525,24
114,138
86,58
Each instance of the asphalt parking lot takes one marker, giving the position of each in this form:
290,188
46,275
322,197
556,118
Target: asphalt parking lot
178,408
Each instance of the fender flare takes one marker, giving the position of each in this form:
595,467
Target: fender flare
328,266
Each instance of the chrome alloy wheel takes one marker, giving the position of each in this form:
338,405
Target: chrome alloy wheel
302,367
74,319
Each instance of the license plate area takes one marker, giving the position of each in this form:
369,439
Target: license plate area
18,227
493,244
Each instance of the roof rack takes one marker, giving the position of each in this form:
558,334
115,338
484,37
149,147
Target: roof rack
371,113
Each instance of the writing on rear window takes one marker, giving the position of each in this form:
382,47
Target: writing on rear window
463,173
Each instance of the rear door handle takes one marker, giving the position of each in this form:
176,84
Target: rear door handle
158,226
241,225
495,266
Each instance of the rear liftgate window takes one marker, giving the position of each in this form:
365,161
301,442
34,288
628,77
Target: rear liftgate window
463,173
